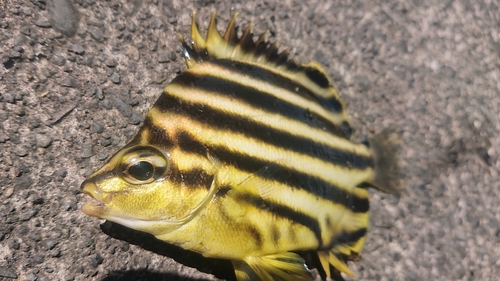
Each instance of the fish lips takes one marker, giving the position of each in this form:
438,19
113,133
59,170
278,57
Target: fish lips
97,206
94,208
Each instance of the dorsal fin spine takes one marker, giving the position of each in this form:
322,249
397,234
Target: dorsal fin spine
261,53
199,43
231,36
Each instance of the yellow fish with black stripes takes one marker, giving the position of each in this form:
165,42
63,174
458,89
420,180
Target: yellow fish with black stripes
247,156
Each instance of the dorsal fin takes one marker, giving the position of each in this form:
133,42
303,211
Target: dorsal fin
259,52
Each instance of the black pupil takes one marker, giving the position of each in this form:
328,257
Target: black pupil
141,170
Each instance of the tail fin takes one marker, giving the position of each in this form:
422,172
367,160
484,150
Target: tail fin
387,174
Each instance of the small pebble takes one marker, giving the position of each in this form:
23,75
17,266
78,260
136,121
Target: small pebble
26,10
162,58
97,92
96,33
63,16
55,253
77,49
86,150
172,56
105,142
102,156
106,104
69,82
61,173
37,200
14,11
111,62
134,102
69,204
15,54
43,22
132,52
43,140
23,182
131,26
8,97
96,127
49,244
115,78
20,151
19,111
28,215
3,137
8,192
30,277
20,40
7,273
88,59
119,104
58,60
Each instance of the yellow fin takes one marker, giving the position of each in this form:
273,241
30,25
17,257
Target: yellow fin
334,263
277,267
323,258
338,262
259,52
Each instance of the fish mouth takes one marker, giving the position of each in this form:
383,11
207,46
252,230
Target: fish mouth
94,207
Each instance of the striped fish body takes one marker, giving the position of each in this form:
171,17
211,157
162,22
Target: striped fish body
283,181
245,156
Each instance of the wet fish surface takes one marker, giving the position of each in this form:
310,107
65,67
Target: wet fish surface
247,156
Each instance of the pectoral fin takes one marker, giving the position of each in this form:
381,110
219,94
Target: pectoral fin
278,267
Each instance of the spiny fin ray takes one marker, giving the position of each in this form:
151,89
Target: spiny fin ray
260,52
278,267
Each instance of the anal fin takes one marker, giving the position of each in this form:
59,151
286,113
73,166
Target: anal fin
334,263
277,267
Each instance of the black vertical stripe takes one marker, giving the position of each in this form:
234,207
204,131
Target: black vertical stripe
350,238
196,179
317,77
157,136
259,73
257,99
284,212
360,205
189,144
291,178
345,238
328,222
254,232
241,226
222,191
275,234
217,119
283,175
347,129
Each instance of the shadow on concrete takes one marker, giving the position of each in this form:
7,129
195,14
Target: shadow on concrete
222,269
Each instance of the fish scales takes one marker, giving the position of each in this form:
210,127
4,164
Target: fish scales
246,156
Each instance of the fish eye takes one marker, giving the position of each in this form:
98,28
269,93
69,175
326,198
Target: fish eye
141,165
142,170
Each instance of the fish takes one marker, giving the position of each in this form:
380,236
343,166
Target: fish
247,156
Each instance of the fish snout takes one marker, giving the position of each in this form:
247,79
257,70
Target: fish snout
91,189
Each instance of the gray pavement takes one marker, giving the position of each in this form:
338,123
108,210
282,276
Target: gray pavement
76,80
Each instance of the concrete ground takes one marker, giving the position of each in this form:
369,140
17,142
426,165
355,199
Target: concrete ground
76,81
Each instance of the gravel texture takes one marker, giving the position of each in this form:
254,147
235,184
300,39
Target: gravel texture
76,79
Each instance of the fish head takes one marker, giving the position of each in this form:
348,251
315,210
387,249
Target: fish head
140,189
